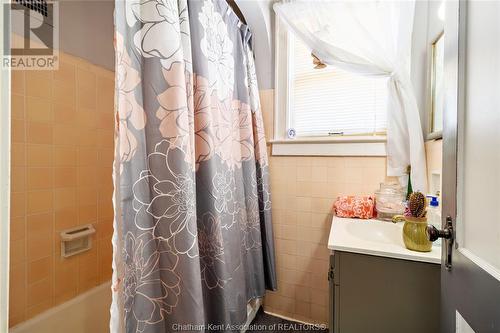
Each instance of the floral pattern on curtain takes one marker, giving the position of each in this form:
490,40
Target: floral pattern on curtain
193,237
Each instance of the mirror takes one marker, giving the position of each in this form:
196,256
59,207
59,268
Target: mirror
437,86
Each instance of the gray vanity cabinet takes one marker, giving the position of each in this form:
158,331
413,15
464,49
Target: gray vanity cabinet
371,294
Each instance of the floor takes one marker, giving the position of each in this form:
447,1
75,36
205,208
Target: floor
265,323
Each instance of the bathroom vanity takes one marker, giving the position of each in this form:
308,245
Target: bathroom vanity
376,284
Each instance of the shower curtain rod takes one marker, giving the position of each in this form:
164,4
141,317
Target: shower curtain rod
236,10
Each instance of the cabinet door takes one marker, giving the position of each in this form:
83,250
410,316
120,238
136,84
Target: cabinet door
386,295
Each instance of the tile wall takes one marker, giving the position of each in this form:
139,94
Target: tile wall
62,153
303,190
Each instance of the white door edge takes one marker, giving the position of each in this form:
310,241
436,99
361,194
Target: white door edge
490,269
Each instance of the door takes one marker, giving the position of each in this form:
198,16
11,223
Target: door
470,288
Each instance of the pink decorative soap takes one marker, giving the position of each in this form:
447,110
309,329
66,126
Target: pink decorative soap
355,206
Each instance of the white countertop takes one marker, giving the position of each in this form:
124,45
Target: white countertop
377,238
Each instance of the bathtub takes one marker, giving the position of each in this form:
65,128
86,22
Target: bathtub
86,313
89,313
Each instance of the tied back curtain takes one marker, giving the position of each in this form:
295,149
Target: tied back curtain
193,238
369,38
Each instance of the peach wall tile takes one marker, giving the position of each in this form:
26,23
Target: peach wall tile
17,82
39,133
39,155
105,93
40,269
88,269
105,259
64,198
17,228
17,291
65,156
304,173
18,154
17,251
87,156
87,138
105,228
38,83
65,177
87,97
64,114
303,188
66,72
105,190
303,309
66,285
303,295
303,204
105,120
18,179
40,178
87,176
40,230
40,292
319,297
66,218
319,313
17,107
18,130
65,135
62,155
34,310
64,93
87,196
39,201
318,173
39,109
87,213
17,204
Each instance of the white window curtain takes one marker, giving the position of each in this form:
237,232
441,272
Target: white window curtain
370,38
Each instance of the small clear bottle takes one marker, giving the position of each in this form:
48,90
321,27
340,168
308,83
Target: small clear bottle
434,216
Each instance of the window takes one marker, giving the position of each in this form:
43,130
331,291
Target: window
330,101
325,106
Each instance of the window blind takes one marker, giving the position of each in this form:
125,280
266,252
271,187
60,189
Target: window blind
330,100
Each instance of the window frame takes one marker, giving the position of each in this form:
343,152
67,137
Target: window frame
348,145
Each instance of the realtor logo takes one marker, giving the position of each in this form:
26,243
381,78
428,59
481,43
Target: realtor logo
31,35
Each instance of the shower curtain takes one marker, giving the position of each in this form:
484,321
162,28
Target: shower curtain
193,238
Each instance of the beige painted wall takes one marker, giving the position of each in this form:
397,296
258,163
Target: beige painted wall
62,153
303,190
434,157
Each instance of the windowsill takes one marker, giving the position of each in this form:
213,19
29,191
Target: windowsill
326,146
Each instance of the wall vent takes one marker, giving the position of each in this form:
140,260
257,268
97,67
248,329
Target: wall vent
39,6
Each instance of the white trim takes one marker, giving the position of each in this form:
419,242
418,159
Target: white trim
295,320
4,183
486,266
460,222
281,75
283,148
